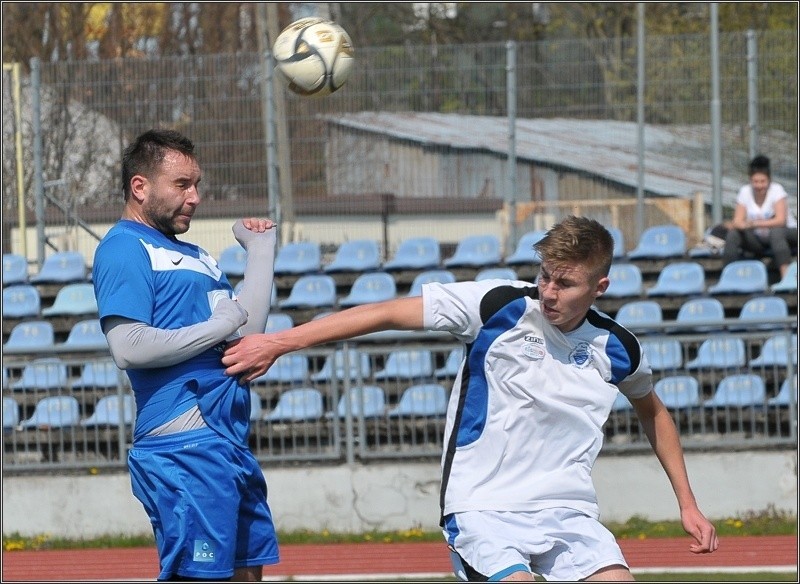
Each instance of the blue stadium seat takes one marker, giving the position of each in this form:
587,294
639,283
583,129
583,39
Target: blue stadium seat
21,301
73,299
451,365
441,276
299,257
30,336
407,364
416,253
368,401
619,242
62,267
42,374
639,314
303,404
789,281
289,368
10,413
99,374
311,291
358,366
277,322
660,241
621,403
787,394
256,412
776,351
678,391
476,251
496,274
719,352
369,288
423,400
15,269
663,354
625,280
85,335
738,390
701,314
58,411
358,255
112,411
757,312
232,260
741,277
680,279
525,254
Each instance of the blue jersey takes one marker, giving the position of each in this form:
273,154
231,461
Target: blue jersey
142,275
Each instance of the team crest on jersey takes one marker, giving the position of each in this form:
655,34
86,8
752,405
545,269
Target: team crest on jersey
533,347
581,355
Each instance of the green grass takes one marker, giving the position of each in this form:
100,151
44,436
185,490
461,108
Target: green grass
768,522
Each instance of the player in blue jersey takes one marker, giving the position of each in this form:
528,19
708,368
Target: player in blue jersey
541,371
167,311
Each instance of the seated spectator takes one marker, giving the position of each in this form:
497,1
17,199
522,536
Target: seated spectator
762,220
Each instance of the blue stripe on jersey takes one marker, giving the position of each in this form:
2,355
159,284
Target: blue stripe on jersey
620,359
622,347
476,404
451,527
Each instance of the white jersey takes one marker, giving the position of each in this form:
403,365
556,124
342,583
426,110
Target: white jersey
525,417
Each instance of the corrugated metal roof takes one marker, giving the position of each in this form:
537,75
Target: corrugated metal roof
677,160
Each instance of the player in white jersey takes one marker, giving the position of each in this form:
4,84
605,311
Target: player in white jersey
541,371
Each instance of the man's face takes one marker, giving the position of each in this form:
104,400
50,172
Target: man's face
567,293
171,195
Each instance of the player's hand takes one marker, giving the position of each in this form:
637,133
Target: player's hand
251,229
701,529
249,357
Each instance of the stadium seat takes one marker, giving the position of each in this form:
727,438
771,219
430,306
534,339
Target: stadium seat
359,255
741,277
524,253
232,260
663,354
776,351
298,257
679,279
496,274
62,267
625,280
757,312
10,413
423,400
358,366
370,288
621,403
476,251
256,412
108,409
85,335
15,269
416,253
311,291
99,374
660,241
787,394
441,276
5,378
42,374
738,390
789,281
289,368
639,314
619,242
73,299
297,405
407,364
700,314
58,411
451,365
21,301
368,401
30,336
719,352
278,321
678,391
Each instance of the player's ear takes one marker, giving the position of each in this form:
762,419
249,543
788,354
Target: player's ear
139,186
602,286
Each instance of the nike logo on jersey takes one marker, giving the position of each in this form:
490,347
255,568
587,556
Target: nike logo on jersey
176,262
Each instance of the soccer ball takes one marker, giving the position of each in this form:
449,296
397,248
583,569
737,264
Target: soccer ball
314,55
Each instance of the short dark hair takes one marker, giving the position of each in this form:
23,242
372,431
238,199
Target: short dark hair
147,152
759,164
578,240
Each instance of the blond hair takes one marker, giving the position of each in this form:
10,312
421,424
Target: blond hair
577,240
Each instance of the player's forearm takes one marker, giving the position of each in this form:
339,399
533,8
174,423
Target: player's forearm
256,289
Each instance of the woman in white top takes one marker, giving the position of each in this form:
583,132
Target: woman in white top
762,220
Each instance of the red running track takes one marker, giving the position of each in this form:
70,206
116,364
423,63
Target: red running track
383,558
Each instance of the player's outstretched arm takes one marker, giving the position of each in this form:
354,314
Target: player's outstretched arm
258,238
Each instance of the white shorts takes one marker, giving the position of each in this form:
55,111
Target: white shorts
557,544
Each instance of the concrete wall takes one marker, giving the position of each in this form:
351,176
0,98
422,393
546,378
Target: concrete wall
401,495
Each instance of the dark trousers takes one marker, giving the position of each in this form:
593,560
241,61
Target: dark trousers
782,243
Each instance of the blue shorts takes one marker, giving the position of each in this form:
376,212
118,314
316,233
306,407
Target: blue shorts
207,501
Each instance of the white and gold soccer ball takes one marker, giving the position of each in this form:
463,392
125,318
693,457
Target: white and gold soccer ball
314,55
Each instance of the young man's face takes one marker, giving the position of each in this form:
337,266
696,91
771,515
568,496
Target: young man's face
171,195
567,293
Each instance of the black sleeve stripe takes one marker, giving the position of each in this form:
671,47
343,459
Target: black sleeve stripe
497,298
625,336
